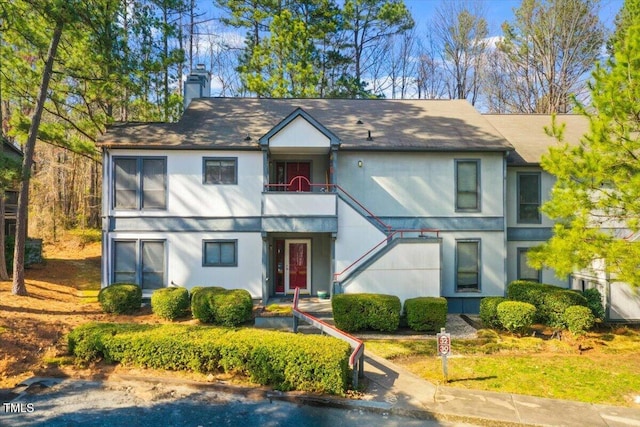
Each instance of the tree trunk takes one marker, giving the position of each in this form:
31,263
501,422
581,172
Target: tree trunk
19,287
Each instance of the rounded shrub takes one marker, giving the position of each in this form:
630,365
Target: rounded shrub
170,303
232,307
357,312
227,307
120,298
516,316
489,311
531,292
555,303
193,290
594,302
426,313
579,319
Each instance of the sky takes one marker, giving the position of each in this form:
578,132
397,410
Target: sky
497,11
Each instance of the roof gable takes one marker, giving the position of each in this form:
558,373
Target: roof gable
299,131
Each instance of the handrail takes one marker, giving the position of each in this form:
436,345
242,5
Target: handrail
300,179
388,228
386,239
356,360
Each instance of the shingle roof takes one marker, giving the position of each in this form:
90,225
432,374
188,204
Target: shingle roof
224,123
526,133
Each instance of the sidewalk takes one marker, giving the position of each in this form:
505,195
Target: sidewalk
392,388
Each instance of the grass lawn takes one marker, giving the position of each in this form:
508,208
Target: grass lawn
602,367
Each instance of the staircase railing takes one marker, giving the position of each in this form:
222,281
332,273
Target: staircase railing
356,360
390,237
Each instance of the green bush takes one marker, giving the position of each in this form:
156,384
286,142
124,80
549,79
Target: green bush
531,292
120,298
170,303
227,307
516,316
357,312
285,361
578,319
594,302
426,313
193,290
489,311
556,302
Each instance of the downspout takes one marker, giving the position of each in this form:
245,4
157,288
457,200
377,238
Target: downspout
106,217
265,237
504,221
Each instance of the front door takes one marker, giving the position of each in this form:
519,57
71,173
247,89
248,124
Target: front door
287,172
297,265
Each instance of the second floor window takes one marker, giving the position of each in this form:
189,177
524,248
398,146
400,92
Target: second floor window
139,182
529,198
220,171
467,185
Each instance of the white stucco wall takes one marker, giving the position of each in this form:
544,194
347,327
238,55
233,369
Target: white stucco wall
408,270
188,196
356,235
184,260
418,184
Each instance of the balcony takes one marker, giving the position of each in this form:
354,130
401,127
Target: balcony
299,211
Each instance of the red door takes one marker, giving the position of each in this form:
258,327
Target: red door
295,170
298,264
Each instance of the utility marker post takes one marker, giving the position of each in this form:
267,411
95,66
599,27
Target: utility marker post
444,349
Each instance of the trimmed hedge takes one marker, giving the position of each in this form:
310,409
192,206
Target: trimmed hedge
357,312
170,303
227,307
489,311
120,298
426,313
594,302
516,316
282,360
578,319
556,302
530,292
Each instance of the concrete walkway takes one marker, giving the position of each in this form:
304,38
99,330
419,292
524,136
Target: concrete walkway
392,388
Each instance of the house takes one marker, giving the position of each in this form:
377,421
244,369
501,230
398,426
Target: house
11,195
405,197
528,186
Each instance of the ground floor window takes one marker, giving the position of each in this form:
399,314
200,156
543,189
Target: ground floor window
525,272
219,253
467,265
141,262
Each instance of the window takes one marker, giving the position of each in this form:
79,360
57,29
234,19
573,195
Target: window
529,198
467,185
219,253
220,171
139,261
139,182
467,265
524,271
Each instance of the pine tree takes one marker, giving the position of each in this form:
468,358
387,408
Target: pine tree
596,199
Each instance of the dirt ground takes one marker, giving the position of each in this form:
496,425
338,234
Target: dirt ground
32,328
